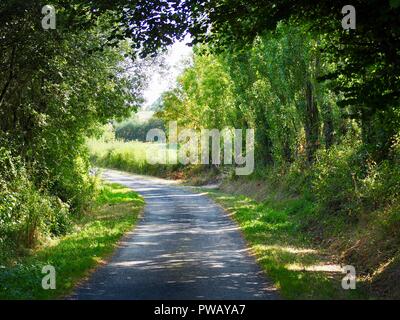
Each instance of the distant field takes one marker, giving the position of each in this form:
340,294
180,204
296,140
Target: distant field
132,156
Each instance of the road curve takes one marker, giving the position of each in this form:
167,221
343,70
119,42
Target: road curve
185,247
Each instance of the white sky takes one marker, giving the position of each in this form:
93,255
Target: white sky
162,81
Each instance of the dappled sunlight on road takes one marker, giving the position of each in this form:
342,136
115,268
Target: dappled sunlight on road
185,247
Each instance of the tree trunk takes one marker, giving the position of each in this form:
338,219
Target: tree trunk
311,124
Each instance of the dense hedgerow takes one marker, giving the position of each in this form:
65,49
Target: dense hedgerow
347,180
29,214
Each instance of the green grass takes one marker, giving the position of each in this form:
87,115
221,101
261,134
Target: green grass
135,149
131,156
115,212
275,232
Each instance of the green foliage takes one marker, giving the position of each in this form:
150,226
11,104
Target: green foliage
336,176
27,214
305,143
56,89
271,86
203,98
365,69
94,237
134,130
347,180
73,185
286,68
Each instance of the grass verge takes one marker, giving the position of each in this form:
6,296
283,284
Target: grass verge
274,229
116,210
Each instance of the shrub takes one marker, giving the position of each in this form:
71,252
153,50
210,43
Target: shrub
335,178
26,213
345,179
133,130
73,185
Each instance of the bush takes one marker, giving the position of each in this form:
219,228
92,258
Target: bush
345,179
131,130
74,186
27,214
335,178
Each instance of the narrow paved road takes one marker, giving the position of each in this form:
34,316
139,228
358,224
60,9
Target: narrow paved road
185,247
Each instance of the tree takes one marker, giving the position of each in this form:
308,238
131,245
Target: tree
366,60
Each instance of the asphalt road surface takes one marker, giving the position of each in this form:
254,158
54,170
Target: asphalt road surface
184,247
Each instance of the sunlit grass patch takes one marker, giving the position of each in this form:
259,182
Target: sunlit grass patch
274,230
132,156
115,193
95,235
